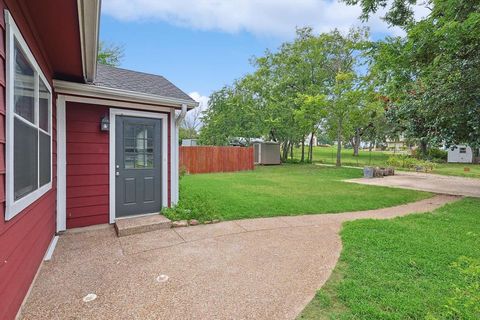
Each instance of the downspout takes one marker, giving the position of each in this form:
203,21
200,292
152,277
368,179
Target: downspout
176,160
181,116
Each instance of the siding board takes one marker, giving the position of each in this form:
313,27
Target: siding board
87,165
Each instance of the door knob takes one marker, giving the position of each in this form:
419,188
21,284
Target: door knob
117,173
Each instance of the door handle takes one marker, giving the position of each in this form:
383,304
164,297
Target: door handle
117,173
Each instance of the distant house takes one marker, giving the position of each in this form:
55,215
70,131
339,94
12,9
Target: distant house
314,142
460,154
189,142
82,144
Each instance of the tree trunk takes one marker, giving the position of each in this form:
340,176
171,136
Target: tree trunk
370,146
291,150
356,142
303,149
310,159
423,148
339,143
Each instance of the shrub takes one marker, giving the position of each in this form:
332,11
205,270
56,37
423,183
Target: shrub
409,162
433,154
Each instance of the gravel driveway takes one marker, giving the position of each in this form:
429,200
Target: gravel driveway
427,182
266,268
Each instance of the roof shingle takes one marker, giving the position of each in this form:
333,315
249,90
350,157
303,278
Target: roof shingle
117,78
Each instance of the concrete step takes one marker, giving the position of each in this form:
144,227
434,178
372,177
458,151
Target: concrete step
134,225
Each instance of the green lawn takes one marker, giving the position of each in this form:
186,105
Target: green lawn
424,266
327,155
281,190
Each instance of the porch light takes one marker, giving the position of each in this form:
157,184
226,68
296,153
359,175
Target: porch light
105,124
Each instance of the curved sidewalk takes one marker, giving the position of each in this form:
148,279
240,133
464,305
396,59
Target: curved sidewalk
267,268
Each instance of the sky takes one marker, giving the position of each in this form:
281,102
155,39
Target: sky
202,45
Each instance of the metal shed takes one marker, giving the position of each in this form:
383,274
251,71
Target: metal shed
266,152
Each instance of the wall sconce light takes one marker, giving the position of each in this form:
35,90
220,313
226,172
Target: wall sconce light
105,124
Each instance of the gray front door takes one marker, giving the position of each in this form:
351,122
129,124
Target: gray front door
137,165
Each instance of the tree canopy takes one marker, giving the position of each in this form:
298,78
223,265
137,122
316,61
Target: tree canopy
312,83
432,76
110,54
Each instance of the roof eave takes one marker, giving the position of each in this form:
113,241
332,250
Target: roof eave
88,90
89,23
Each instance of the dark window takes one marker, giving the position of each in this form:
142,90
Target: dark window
138,146
463,150
45,159
24,85
25,157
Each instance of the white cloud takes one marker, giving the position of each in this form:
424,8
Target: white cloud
266,17
193,117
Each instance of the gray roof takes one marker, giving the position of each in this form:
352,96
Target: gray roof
117,78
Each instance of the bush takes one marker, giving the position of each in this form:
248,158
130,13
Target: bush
410,163
433,154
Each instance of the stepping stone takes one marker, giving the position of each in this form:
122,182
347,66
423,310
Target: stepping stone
135,225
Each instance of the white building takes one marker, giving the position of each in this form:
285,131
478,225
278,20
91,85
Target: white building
460,154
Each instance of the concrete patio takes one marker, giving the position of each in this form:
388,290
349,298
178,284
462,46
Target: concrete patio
267,268
427,182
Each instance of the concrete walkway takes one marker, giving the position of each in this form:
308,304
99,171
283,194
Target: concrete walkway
427,182
267,268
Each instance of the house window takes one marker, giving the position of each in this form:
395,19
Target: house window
463,150
29,125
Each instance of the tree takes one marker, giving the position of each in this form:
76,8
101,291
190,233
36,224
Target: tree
310,82
110,54
431,76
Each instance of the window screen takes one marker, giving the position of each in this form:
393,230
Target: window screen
45,154
24,85
25,158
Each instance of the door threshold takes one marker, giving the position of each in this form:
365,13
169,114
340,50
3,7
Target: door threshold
138,216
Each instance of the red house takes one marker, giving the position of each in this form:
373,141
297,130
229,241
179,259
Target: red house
82,143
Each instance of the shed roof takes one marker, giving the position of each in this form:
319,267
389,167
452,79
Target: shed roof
118,78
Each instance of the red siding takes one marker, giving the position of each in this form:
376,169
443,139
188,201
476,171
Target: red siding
87,165
25,238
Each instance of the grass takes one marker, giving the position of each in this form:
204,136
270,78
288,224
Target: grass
424,266
281,190
327,155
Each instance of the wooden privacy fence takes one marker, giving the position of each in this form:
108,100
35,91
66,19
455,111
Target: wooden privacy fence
205,159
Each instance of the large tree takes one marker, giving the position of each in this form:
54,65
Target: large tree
310,82
431,76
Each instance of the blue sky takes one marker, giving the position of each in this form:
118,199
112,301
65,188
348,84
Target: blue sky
194,60
202,45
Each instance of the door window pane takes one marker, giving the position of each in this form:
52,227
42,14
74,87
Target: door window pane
44,103
138,146
24,85
25,157
45,154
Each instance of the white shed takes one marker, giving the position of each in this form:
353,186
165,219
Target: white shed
189,142
460,154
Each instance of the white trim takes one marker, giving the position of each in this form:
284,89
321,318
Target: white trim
61,165
95,91
112,177
89,23
51,248
13,207
115,103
